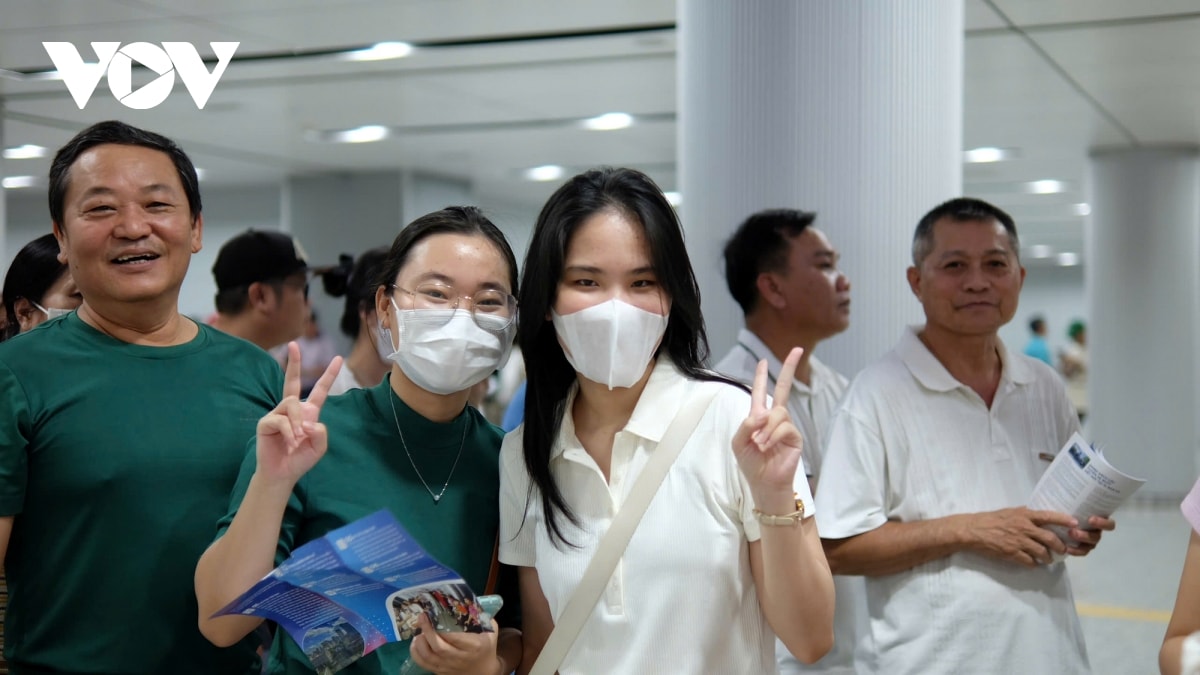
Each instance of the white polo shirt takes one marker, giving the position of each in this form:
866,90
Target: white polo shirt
912,443
811,407
682,599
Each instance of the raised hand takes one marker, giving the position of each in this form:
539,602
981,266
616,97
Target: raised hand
768,444
290,439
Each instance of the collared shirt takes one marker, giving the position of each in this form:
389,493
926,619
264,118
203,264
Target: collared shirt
912,443
811,405
682,599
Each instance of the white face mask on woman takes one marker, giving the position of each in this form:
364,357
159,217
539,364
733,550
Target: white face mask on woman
53,312
612,342
446,351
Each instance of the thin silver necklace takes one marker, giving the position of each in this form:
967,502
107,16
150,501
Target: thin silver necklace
436,497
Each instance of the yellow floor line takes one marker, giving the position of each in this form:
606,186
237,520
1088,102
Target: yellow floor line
1125,613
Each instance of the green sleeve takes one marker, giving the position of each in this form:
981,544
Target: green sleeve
15,432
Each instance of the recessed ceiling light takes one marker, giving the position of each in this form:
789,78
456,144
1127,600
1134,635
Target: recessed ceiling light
1068,259
674,198
381,52
1082,209
14,182
365,134
988,154
1040,251
1046,187
608,121
27,151
546,172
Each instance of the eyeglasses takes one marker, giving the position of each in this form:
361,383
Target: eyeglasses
492,309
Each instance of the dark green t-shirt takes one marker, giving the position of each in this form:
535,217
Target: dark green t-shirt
115,459
365,469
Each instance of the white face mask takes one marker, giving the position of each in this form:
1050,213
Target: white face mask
53,312
445,357
612,342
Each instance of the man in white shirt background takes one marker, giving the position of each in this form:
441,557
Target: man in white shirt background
930,458
783,272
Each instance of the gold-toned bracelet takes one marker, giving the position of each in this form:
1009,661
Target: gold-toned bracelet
791,519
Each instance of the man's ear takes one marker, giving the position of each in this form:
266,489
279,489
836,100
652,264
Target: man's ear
914,280
61,235
198,234
260,295
768,287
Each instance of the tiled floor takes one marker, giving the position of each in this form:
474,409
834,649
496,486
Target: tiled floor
1126,588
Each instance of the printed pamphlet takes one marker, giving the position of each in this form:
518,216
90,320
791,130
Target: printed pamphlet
360,586
1080,482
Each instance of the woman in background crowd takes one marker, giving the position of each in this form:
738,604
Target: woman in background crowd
37,287
367,362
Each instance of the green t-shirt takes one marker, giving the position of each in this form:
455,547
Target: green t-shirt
365,469
115,459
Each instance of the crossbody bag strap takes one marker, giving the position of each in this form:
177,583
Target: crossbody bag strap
612,545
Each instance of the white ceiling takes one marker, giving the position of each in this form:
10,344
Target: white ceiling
1051,78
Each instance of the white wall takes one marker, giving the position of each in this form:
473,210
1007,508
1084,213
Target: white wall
1056,293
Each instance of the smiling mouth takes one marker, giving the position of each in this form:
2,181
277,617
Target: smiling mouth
133,259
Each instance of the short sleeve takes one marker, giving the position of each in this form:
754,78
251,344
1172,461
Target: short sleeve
1191,507
15,430
853,486
291,515
518,545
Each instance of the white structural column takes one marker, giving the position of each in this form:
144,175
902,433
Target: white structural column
1142,252
851,108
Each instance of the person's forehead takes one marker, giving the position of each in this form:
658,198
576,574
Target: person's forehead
107,163
949,232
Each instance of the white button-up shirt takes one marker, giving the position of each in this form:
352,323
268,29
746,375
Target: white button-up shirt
912,443
682,599
811,407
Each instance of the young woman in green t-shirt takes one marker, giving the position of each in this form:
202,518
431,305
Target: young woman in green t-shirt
412,444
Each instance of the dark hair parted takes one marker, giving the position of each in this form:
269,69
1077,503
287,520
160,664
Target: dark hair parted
760,244
33,271
360,288
961,210
635,196
118,133
465,220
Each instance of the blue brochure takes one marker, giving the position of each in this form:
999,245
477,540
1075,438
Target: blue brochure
344,595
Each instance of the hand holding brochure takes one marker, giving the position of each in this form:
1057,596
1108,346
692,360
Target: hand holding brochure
360,586
1080,482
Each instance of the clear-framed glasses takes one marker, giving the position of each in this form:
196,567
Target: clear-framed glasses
491,308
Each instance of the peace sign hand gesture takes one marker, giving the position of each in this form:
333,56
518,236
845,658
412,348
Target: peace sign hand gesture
768,444
289,439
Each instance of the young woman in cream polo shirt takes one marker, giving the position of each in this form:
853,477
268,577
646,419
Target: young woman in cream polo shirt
614,340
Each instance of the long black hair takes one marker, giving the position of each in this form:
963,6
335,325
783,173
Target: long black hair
635,196
34,270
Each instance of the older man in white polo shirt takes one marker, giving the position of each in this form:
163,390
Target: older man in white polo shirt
929,460
784,274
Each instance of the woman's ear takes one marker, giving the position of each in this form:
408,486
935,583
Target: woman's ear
383,305
27,314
